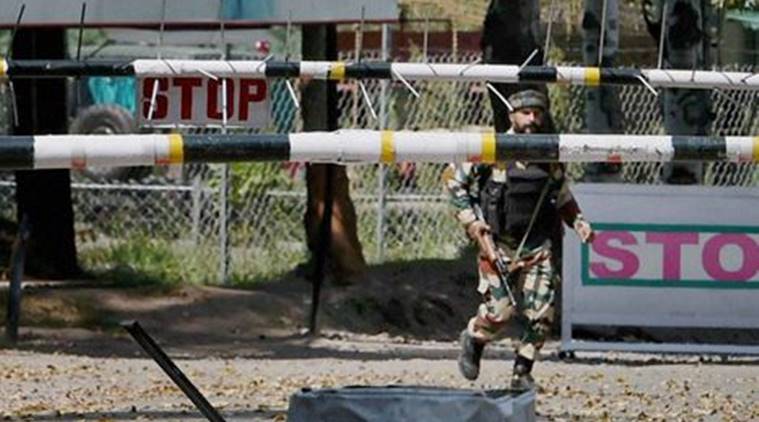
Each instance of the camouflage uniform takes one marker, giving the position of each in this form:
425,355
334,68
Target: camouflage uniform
534,291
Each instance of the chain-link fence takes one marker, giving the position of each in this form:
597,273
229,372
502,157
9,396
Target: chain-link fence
170,222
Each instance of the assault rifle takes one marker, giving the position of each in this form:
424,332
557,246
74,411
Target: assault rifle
487,245
507,275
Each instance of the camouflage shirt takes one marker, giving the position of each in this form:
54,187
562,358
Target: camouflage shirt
463,181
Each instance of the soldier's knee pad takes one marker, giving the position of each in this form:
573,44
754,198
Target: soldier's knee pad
538,330
501,311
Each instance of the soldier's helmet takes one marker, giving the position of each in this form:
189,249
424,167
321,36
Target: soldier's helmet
529,98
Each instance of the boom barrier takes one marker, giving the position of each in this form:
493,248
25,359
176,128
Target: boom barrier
363,146
591,76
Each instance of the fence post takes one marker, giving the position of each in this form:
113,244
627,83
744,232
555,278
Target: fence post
223,224
196,209
225,174
381,170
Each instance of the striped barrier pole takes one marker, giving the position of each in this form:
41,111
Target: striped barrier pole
363,146
590,76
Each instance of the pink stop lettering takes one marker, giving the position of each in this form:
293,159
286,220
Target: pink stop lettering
713,265
628,262
672,244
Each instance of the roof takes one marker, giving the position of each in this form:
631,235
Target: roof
748,18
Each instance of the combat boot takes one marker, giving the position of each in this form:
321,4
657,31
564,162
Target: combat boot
522,379
469,356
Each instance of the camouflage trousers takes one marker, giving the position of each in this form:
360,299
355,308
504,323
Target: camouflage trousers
534,294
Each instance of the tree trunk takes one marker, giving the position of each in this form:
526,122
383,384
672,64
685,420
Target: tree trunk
45,196
686,111
510,34
603,112
319,111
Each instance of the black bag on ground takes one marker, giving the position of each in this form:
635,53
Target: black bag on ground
408,403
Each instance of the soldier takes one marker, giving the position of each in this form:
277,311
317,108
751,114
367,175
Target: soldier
515,203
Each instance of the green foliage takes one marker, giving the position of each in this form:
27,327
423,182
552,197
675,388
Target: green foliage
90,37
259,183
143,260
254,265
250,179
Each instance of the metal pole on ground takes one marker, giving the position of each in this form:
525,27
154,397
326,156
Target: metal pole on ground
320,41
322,251
164,361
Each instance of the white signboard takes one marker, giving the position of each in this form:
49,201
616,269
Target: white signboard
664,256
200,101
187,12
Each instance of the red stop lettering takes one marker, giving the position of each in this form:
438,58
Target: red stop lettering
160,104
251,91
212,104
186,86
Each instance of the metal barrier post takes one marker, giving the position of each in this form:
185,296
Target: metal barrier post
164,361
381,169
17,272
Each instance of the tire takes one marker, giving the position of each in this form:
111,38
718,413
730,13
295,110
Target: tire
108,119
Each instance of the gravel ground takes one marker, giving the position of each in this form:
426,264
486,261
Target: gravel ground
245,351
68,387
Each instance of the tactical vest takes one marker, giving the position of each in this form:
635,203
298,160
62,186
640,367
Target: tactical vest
508,207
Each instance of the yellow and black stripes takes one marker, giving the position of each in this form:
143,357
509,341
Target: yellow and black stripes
538,74
699,148
176,149
620,76
387,147
17,152
231,148
66,68
329,70
488,152
527,147
369,70
282,70
591,76
338,70
363,146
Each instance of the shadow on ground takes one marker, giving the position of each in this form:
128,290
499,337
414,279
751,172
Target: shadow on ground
401,310
406,303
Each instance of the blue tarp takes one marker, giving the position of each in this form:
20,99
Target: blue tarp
249,9
113,90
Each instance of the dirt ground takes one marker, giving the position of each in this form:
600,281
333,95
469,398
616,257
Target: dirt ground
246,350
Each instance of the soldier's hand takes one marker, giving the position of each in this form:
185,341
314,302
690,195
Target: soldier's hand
529,261
479,231
584,229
